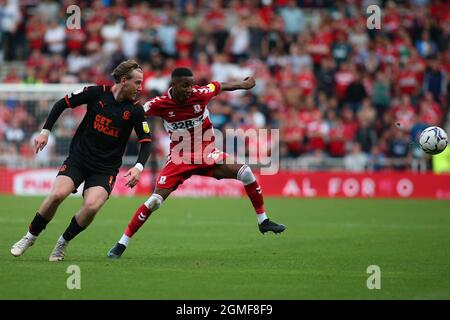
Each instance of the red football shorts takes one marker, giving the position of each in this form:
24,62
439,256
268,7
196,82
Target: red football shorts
173,174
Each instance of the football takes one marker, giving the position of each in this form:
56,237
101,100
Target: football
433,140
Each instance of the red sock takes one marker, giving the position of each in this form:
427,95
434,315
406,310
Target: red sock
138,220
254,192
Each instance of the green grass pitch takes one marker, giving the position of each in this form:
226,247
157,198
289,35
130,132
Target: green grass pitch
212,249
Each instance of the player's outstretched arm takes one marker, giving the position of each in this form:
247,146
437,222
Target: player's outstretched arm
41,140
245,84
72,100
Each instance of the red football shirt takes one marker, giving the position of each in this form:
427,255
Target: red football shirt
183,121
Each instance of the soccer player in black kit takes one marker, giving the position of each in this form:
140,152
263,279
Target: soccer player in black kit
95,152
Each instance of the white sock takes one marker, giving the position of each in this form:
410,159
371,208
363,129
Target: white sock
261,217
30,236
124,240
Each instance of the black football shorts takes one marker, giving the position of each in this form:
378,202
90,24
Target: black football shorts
79,173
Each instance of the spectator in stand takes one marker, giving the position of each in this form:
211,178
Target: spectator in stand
356,160
10,17
14,134
317,131
76,37
343,78
377,159
425,46
355,92
238,42
299,58
404,112
214,21
435,81
367,113
184,37
304,60
35,32
430,112
366,136
399,149
157,83
129,39
49,10
358,38
9,156
76,61
336,140
326,77
408,81
381,97
55,38
111,32
341,49
220,113
293,18
306,81
293,134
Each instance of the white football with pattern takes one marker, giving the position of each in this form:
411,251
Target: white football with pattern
433,140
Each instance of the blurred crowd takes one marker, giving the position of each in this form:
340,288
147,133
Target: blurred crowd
334,87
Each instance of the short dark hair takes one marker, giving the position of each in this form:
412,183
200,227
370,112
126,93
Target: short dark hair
181,72
125,69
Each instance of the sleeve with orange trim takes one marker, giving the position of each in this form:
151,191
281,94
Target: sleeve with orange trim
142,130
83,96
212,90
77,98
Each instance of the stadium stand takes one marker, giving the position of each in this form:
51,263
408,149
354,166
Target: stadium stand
334,88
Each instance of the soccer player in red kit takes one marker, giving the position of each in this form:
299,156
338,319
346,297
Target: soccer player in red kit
184,110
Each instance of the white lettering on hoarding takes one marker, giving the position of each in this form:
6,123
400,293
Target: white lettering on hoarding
308,190
333,186
350,187
291,188
405,187
35,182
368,187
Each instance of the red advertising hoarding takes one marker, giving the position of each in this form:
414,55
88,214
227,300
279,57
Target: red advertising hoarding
283,184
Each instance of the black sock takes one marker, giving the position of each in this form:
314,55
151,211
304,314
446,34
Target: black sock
38,224
72,230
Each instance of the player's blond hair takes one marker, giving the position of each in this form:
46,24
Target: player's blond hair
124,69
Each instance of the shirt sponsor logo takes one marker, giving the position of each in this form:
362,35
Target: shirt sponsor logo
103,125
145,127
186,124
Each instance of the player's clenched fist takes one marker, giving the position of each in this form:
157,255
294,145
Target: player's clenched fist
249,82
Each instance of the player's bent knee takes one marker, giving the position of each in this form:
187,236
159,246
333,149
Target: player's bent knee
57,197
245,175
154,202
93,205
